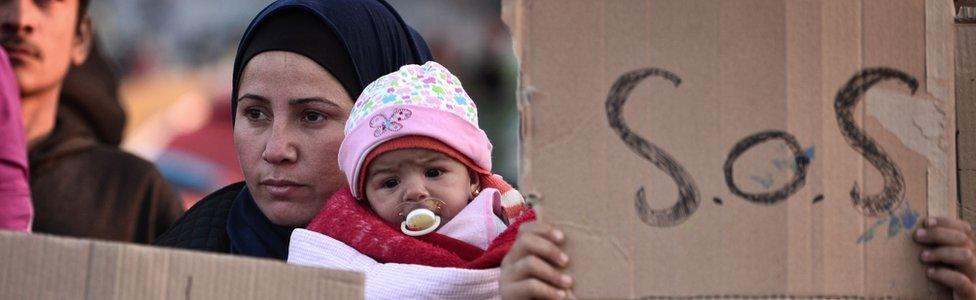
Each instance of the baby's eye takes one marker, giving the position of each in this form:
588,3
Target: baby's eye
433,172
391,183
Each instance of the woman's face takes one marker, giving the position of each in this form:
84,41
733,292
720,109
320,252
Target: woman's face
289,121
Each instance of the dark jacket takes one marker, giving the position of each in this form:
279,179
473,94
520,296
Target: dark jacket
89,94
86,189
82,184
204,226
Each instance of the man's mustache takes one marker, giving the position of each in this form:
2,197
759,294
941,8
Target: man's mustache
17,44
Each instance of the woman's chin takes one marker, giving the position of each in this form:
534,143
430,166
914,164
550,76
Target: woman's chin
289,219
287,213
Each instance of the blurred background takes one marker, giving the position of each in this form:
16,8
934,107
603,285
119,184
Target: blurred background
174,60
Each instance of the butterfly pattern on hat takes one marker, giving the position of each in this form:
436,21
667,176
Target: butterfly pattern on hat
427,86
392,123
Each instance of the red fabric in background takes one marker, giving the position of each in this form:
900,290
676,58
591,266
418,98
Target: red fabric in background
214,142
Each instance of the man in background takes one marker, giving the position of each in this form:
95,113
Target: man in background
82,184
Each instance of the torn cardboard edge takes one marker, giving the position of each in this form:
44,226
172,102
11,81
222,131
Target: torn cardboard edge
940,62
37,266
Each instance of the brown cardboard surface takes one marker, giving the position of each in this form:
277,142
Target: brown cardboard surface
48,267
967,211
966,93
670,101
966,118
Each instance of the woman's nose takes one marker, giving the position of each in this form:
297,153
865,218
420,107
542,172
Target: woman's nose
281,146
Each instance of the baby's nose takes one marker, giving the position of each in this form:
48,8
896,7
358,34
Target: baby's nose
416,191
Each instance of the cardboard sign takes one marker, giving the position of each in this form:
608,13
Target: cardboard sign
48,267
966,117
750,148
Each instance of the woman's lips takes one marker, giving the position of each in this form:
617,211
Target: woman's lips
280,188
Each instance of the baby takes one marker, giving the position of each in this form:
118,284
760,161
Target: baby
420,187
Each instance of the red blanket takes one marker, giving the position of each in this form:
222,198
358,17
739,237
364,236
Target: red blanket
351,222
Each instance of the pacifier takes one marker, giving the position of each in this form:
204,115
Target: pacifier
422,216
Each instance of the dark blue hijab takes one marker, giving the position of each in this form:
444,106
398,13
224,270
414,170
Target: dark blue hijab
357,41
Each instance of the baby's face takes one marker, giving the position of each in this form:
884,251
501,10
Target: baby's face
412,175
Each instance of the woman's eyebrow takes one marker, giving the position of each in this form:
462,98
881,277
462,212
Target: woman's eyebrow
313,100
253,97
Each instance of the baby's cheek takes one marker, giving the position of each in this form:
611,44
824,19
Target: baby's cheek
379,209
457,210
391,215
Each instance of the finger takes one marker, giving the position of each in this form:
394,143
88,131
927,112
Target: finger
537,239
543,229
534,245
518,248
942,236
532,289
958,258
953,223
961,285
535,267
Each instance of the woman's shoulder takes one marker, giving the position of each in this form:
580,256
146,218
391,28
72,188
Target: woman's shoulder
204,226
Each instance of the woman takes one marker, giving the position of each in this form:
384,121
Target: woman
299,66
298,69
533,267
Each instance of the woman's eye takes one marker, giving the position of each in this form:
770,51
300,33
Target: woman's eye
391,183
433,172
313,117
254,114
